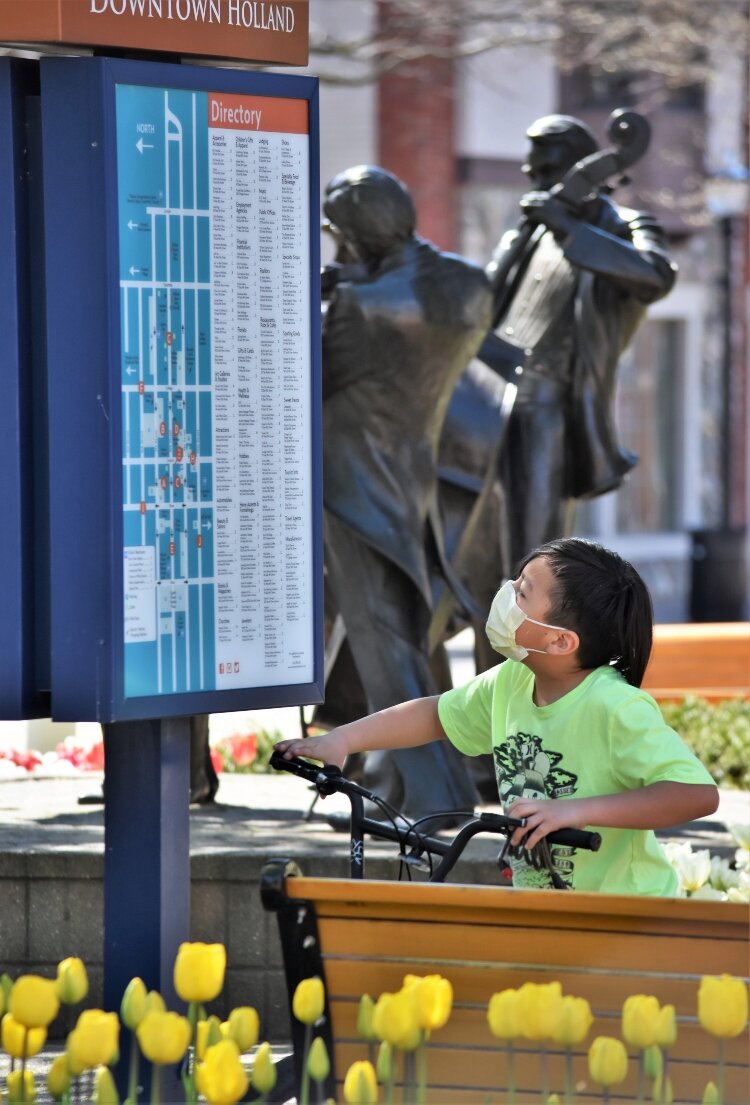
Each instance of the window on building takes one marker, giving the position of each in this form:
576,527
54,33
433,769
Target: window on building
649,401
656,418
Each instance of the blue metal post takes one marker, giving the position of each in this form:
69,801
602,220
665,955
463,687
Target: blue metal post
146,859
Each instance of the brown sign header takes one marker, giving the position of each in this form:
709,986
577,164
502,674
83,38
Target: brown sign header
269,31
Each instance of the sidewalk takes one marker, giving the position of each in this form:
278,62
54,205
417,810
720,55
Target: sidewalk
253,815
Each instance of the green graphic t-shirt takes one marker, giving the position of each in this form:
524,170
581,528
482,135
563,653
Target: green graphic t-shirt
603,737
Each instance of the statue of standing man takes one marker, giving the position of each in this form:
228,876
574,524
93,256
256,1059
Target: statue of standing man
570,290
402,322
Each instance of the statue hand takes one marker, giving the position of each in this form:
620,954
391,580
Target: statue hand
544,208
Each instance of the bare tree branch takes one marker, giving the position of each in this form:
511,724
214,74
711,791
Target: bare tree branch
670,43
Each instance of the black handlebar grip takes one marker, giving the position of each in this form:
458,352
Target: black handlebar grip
576,838
573,838
295,766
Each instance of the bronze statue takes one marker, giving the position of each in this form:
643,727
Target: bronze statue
576,283
571,285
402,321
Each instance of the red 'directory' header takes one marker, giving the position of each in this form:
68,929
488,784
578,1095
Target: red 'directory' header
280,115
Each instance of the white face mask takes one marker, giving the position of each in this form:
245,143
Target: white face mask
504,619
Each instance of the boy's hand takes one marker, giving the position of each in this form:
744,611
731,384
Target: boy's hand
329,748
544,815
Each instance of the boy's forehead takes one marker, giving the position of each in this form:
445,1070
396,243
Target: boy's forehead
538,574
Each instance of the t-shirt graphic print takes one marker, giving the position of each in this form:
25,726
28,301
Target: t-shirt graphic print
525,769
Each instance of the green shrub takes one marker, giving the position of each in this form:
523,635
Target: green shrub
719,735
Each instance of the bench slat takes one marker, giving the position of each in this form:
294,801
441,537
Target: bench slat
346,988
442,947
480,905
485,1070
468,1028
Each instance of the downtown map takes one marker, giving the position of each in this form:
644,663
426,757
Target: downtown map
214,287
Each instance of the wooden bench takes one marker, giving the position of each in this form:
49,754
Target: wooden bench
364,936
711,660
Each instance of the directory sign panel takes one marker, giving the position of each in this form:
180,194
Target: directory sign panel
216,505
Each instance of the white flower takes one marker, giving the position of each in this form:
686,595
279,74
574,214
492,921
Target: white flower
738,893
722,875
742,859
708,893
741,833
674,849
693,868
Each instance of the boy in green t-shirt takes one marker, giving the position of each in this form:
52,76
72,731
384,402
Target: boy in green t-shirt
576,743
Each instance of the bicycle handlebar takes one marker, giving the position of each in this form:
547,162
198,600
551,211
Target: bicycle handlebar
329,780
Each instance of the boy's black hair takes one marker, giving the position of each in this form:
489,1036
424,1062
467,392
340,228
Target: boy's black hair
603,599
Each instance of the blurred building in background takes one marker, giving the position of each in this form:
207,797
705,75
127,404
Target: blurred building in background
413,86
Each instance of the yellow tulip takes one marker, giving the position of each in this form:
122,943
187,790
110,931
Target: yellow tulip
539,1006
384,1062
434,997
34,1001
94,1040
364,1018
263,1074
58,1077
134,1003
72,981
722,1005
396,1020
21,1042
155,1003
640,1021
221,1077
72,1058
608,1061
207,1033
574,1021
318,1063
242,1027
105,1090
163,1037
309,1000
666,1027
711,1095
503,1015
199,971
360,1084
21,1087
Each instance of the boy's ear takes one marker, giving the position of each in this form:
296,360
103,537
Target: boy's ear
566,642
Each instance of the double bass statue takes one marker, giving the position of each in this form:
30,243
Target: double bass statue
463,413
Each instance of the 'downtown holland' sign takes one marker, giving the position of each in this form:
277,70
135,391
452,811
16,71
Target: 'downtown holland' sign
270,31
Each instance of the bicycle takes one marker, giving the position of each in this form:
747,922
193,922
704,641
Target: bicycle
329,780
